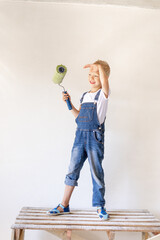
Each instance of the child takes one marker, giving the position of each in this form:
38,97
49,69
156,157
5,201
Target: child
89,139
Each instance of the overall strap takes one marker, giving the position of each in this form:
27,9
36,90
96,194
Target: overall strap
82,97
97,96
102,125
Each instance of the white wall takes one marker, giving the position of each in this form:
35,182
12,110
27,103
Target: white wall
37,129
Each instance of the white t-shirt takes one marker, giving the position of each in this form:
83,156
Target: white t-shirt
102,103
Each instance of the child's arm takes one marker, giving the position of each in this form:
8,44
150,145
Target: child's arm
104,80
73,110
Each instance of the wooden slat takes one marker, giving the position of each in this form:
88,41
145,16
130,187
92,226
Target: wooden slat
62,217
93,212
91,223
90,228
84,213
93,215
89,216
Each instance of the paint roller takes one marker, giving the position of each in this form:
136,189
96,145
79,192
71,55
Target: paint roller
60,72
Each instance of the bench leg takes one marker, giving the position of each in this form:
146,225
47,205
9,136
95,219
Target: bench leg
145,235
111,235
63,234
68,234
17,234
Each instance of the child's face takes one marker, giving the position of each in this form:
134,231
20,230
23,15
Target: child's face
94,79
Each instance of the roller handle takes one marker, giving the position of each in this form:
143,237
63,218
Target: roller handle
68,102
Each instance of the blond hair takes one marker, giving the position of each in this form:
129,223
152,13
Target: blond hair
105,66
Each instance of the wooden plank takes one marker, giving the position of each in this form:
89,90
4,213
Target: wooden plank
90,228
126,214
98,222
89,214
86,218
94,212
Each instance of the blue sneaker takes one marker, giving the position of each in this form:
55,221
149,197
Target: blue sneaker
103,214
55,211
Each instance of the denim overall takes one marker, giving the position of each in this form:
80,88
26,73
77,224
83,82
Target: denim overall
89,142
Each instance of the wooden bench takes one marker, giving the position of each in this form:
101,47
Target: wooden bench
65,226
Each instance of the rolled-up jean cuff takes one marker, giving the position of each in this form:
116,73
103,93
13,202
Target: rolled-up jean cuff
98,205
70,182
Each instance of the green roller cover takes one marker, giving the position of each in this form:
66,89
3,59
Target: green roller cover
59,74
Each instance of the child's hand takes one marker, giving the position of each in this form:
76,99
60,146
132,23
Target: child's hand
93,66
66,96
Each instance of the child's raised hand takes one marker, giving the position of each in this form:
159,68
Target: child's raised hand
66,96
87,65
92,66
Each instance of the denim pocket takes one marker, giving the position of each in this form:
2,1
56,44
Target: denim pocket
85,114
99,136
